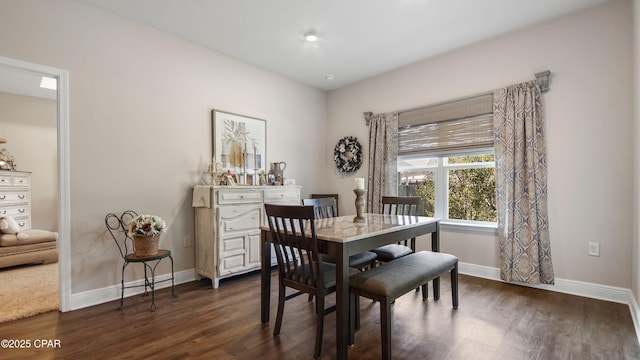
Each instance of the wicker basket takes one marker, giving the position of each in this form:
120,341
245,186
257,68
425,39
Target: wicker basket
146,245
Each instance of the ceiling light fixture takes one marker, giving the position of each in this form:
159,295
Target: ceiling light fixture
48,83
311,36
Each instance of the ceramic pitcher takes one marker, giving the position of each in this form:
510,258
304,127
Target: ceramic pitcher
276,172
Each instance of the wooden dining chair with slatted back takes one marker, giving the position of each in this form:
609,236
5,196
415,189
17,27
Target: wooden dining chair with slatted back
300,264
326,208
398,205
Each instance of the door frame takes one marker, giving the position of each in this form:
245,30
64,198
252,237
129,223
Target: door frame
64,219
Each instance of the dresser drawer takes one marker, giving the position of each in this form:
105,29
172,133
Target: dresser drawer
23,222
230,196
14,211
21,180
14,197
289,196
15,179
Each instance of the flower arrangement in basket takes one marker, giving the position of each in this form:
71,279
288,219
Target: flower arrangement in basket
145,231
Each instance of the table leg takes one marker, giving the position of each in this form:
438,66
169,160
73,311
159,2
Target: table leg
265,277
435,246
342,304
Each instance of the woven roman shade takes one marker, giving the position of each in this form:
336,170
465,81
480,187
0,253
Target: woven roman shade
454,126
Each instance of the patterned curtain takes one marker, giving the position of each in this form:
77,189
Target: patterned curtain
383,157
521,185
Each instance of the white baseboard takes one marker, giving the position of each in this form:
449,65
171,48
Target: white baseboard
110,293
590,290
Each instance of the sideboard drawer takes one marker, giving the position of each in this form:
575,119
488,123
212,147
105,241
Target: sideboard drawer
238,197
239,218
291,196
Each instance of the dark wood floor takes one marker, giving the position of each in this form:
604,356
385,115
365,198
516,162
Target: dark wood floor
494,321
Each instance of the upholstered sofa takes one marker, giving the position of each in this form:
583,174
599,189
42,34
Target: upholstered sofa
36,246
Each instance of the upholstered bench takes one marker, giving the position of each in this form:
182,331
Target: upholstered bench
396,278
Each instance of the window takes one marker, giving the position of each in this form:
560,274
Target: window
455,187
445,156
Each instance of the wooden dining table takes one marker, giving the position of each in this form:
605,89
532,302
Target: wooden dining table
342,237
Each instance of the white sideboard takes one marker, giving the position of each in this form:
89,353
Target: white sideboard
15,196
227,226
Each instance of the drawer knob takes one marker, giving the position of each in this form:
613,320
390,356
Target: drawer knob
3,197
4,212
22,224
22,210
22,196
3,180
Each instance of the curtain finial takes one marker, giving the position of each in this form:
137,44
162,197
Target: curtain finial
543,80
367,116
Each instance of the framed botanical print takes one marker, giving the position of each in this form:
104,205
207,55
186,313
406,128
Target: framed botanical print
239,142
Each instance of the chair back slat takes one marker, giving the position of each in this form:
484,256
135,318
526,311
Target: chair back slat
322,207
117,226
294,237
400,205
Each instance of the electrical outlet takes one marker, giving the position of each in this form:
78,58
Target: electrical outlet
594,249
188,241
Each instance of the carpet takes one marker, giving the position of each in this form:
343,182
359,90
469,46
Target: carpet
28,290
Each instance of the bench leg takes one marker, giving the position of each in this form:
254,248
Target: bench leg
425,291
385,328
436,288
454,286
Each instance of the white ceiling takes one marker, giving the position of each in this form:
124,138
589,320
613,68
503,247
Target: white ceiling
358,38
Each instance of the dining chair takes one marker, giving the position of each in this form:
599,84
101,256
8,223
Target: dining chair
117,226
326,208
335,196
398,205
300,264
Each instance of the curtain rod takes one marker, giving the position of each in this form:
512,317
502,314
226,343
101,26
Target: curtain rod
542,78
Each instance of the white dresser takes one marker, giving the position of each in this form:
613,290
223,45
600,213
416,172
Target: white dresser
227,226
15,196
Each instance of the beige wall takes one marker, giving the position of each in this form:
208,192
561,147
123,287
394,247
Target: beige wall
29,125
589,130
140,128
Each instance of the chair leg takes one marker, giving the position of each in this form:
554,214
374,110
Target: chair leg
122,287
320,322
385,328
454,286
281,295
173,284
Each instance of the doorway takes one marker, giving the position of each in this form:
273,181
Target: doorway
63,208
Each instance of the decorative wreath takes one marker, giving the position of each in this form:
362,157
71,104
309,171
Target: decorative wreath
348,154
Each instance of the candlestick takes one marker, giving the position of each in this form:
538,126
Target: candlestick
359,183
255,158
359,205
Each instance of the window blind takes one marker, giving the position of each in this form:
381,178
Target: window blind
454,126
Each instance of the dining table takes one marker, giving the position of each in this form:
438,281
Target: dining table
341,237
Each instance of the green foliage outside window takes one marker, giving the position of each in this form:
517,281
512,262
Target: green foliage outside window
471,191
